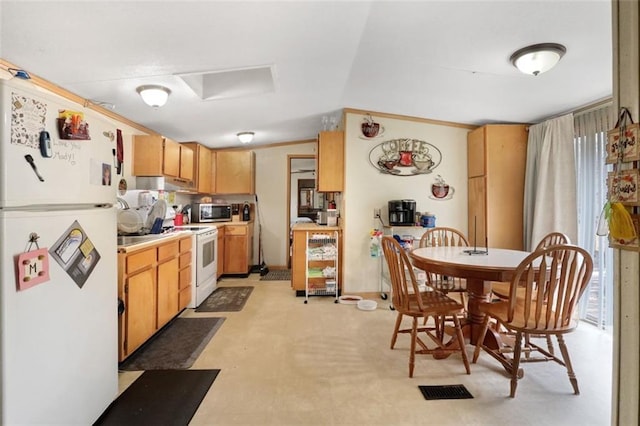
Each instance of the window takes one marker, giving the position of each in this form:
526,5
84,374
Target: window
590,141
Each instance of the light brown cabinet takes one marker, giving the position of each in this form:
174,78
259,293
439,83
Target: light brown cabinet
238,248
330,162
155,155
153,284
299,254
167,283
202,168
235,172
496,158
184,274
221,250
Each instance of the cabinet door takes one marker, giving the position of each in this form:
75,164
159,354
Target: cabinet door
235,172
147,155
235,254
171,159
477,194
204,170
140,309
168,282
299,260
330,162
476,153
186,163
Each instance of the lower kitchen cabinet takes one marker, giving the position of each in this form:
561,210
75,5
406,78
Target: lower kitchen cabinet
238,248
184,275
168,287
140,304
154,283
220,254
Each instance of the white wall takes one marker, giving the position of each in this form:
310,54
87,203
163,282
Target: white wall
271,187
367,188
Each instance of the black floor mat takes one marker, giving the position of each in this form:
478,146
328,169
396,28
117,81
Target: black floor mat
445,392
160,397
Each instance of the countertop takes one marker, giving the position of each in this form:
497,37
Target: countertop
146,241
314,227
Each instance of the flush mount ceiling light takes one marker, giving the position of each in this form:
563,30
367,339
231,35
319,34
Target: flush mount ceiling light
154,95
538,58
245,137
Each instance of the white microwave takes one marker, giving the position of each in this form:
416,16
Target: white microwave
211,213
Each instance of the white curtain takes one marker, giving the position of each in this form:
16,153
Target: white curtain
550,181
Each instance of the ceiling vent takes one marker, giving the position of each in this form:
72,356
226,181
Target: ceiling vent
236,83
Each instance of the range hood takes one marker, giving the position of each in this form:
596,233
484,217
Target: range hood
164,183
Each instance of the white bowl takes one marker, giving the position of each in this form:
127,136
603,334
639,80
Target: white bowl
367,305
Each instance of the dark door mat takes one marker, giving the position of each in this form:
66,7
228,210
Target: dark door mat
226,299
160,397
177,346
277,275
445,392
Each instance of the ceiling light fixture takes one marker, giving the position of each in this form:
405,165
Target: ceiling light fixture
154,95
538,58
245,137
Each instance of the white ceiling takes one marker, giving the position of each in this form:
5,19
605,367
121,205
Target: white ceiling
443,60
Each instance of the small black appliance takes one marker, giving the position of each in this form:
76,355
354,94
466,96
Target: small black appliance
402,212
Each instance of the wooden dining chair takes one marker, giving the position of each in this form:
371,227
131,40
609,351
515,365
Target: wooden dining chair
441,237
408,301
501,290
553,278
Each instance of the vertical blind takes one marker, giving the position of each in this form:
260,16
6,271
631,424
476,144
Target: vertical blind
590,140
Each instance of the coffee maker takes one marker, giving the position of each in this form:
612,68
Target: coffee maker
402,212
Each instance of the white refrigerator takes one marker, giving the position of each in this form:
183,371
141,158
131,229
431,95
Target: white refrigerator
58,260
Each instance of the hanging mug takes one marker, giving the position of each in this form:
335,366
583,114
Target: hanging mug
441,190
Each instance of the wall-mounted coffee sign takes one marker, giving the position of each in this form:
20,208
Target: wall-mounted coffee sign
405,157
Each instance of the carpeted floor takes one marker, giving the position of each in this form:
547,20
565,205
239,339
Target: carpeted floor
226,299
160,397
175,347
277,275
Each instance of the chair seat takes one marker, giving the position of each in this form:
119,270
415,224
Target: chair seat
433,302
499,310
501,290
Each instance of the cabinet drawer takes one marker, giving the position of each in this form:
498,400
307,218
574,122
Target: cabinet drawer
167,251
185,278
185,260
235,230
140,260
185,244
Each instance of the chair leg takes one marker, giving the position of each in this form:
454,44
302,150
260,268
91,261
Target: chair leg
550,344
463,349
567,362
516,364
412,352
394,337
485,326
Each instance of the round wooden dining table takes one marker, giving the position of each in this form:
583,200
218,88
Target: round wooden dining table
479,269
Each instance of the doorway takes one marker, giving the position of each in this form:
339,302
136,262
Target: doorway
303,201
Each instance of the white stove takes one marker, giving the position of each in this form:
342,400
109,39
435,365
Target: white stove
204,267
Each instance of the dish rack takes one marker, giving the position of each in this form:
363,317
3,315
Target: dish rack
321,272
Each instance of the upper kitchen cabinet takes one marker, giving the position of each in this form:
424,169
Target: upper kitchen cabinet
158,156
496,158
330,162
235,172
202,167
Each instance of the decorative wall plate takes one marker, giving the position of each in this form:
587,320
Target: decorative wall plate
405,157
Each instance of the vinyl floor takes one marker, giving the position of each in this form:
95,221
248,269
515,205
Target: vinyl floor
286,363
